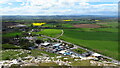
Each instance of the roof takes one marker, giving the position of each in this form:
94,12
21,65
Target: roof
96,54
20,25
63,51
57,44
46,43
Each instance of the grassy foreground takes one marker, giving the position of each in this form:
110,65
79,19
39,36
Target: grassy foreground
6,54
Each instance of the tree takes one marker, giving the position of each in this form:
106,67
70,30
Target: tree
58,25
17,36
5,40
39,41
25,44
70,45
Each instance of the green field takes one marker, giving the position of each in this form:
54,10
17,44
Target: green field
12,34
49,32
112,24
97,29
67,25
106,29
102,42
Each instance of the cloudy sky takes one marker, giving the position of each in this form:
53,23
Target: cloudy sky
58,7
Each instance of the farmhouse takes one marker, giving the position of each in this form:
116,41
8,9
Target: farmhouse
19,25
45,44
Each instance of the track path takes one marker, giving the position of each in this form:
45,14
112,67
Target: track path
60,34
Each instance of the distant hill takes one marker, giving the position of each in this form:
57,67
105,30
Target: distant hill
25,17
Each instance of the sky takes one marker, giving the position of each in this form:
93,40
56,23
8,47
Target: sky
58,7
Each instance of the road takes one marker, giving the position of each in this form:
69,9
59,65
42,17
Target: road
113,60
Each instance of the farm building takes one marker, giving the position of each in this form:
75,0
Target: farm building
18,25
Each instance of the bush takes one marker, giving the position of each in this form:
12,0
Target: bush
25,44
9,46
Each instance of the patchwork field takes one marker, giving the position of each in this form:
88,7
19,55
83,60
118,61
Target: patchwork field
92,36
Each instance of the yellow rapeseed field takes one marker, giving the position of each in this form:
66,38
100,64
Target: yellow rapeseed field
97,20
67,20
38,24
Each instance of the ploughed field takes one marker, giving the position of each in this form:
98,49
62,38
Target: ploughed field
104,42
87,26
